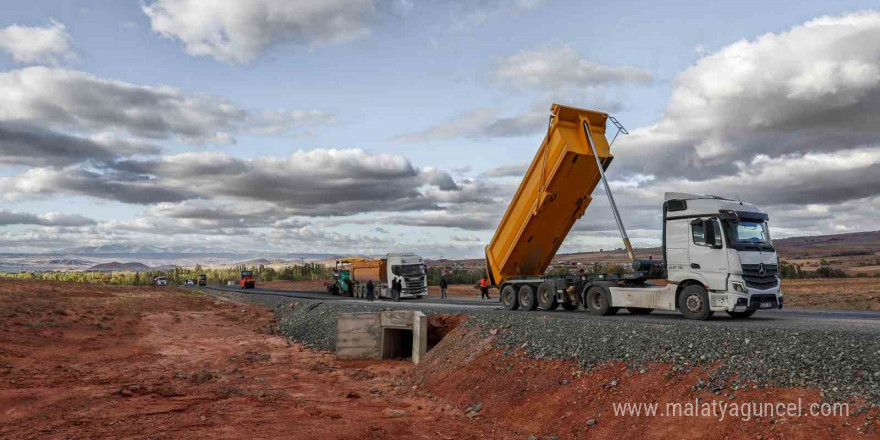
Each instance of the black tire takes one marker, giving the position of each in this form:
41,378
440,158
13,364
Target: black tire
694,303
638,310
597,302
528,299
509,297
547,296
740,315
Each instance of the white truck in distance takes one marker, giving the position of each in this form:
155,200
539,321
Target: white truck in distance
410,270
718,257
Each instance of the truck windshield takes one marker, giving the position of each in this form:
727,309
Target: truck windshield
748,235
408,270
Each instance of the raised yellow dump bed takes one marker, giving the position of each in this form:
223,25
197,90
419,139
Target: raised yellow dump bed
554,193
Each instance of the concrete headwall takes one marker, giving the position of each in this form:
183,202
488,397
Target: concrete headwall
381,335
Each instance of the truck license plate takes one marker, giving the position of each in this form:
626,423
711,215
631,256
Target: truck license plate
767,305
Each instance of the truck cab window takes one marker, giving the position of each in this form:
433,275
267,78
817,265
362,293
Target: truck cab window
698,231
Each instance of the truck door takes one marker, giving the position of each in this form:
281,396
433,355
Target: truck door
706,253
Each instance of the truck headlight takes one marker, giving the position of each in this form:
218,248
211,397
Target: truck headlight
740,287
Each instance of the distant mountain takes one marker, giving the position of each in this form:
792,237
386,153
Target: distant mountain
124,248
254,262
68,262
116,266
851,243
114,249
166,267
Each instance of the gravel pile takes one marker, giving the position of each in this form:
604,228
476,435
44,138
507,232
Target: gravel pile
839,363
314,322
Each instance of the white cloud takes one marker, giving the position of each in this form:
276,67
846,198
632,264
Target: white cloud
22,144
814,88
555,68
8,217
37,45
237,31
307,183
81,101
474,12
509,170
482,123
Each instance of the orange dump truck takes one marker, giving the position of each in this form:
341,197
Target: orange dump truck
552,196
716,252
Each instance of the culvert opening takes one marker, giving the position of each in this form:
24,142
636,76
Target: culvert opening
397,343
440,325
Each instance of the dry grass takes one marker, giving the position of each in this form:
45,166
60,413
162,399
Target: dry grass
833,293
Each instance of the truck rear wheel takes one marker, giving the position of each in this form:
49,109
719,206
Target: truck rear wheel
528,300
743,314
547,296
638,310
509,297
598,302
694,303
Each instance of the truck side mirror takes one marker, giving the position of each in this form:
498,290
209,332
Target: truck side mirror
709,233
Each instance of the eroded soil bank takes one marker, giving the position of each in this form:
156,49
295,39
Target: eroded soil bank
548,399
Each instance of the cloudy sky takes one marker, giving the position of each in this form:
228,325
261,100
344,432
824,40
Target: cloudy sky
369,126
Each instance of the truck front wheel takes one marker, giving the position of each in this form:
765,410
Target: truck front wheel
598,302
509,297
694,303
528,300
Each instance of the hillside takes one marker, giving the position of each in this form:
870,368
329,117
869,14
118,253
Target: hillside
116,266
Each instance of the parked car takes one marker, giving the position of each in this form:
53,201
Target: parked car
160,281
189,283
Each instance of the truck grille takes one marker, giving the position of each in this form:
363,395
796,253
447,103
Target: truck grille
754,278
418,286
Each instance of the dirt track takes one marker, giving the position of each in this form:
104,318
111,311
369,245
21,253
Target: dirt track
102,362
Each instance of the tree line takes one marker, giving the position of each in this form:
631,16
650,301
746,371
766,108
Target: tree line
308,271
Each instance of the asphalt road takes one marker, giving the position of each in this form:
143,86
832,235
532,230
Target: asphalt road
859,321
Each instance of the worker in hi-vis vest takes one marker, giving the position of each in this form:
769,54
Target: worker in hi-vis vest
484,288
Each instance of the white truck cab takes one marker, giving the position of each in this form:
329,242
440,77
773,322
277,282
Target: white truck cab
723,245
410,270
717,256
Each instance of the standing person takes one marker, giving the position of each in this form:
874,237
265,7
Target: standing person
484,288
370,290
398,286
443,287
